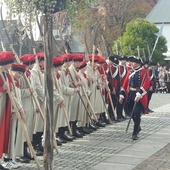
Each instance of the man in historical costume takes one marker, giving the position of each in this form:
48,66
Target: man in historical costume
96,87
134,89
67,93
37,73
150,66
114,85
17,134
58,115
83,118
76,82
102,69
122,74
129,68
6,60
27,92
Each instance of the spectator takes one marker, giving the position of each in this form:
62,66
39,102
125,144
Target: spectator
161,76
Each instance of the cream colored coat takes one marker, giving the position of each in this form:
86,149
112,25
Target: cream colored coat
83,117
76,99
28,104
38,85
96,99
57,111
20,138
67,91
17,136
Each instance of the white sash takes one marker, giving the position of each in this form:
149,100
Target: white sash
124,71
134,71
115,73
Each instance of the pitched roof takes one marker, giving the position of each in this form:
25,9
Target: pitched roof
160,13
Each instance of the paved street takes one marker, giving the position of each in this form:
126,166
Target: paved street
110,148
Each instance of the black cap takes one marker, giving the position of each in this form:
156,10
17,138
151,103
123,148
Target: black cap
136,59
114,59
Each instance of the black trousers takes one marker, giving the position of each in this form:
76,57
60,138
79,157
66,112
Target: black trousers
137,109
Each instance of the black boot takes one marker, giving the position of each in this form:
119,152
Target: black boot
63,136
22,159
59,139
136,128
93,126
100,123
85,130
75,131
88,127
134,137
26,153
79,129
104,118
59,143
39,146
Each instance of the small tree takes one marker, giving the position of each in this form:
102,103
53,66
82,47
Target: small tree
141,33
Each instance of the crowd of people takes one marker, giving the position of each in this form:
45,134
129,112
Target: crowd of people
162,78
89,93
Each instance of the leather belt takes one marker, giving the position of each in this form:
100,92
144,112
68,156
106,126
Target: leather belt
133,89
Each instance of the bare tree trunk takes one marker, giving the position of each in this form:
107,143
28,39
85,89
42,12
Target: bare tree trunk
49,134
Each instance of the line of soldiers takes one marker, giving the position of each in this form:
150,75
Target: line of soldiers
87,95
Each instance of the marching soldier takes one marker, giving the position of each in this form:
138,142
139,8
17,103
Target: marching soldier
135,89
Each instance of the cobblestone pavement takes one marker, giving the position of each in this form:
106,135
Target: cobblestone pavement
159,161
82,154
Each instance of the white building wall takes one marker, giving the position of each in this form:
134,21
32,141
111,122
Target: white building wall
166,33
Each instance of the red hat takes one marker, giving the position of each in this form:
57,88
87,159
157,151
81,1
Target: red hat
6,58
67,57
83,64
96,57
40,56
101,60
78,57
18,67
57,61
28,59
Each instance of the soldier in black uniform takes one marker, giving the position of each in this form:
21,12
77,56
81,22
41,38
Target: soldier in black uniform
114,85
135,86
